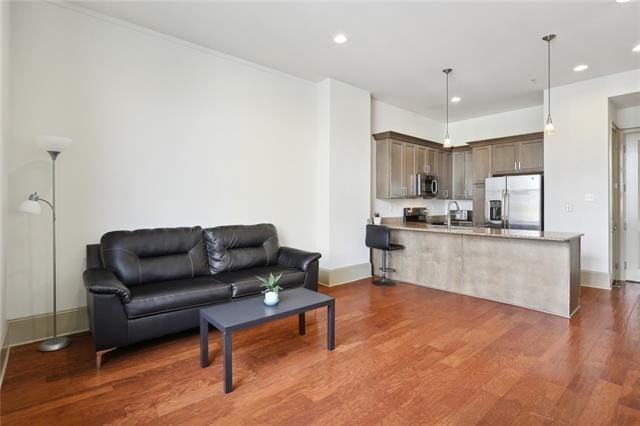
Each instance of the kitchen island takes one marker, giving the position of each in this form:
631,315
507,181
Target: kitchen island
532,269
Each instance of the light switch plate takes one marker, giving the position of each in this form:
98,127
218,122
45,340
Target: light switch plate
568,208
589,198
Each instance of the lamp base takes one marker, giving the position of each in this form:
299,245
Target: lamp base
54,344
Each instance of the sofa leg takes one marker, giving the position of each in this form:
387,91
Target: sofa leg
99,355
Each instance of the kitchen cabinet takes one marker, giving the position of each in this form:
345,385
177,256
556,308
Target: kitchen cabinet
531,156
400,157
444,174
478,204
481,163
518,157
421,159
432,162
397,164
409,169
462,174
504,158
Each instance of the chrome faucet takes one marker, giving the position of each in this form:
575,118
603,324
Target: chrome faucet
449,212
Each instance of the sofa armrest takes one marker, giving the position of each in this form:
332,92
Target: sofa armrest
103,281
294,258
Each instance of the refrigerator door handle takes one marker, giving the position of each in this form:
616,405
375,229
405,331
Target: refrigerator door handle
506,210
503,208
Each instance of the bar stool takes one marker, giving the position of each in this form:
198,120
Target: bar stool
378,237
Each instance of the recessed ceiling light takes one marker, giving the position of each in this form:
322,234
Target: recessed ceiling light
456,99
636,48
622,1
580,67
340,39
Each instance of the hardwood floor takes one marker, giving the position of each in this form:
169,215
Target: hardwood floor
404,355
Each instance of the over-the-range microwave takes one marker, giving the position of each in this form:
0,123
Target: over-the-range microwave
426,185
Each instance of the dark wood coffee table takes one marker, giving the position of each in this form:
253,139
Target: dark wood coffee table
245,313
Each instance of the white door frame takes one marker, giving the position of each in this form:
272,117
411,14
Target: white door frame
623,235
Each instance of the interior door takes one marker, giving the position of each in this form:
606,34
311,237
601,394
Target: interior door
632,210
524,202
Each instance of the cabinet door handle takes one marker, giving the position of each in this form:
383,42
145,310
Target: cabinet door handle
519,165
515,165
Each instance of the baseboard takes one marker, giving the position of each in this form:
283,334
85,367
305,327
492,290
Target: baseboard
345,274
4,356
595,279
39,327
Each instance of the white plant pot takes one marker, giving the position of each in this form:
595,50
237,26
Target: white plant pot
271,298
377,220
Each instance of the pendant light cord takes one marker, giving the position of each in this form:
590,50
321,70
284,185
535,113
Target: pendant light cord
549,75
447,104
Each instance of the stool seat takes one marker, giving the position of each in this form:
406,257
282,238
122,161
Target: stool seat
379,237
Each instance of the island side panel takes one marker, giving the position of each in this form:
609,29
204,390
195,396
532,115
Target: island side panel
428,259
574,296
528,273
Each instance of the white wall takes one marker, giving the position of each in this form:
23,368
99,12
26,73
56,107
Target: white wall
626,118
165,134
516,122
344,126
576,161
385,117
4,96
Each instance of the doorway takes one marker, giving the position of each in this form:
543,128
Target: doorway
630,211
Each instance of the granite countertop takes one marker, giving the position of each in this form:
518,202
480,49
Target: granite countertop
484,232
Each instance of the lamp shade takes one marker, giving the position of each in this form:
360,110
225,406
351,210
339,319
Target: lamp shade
54,143
30,206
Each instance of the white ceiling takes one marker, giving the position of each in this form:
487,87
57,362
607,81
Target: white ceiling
397,50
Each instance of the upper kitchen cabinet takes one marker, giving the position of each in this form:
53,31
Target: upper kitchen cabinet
462,174
444,174
531,156
481,163
509,155
398,159
505,158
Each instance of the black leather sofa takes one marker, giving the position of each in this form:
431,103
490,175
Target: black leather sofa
152,282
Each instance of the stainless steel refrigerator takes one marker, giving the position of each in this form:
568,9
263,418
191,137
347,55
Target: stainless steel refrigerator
514,202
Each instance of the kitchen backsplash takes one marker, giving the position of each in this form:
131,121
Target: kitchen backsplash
393,208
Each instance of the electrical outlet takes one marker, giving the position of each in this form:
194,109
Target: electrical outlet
569,208
589,198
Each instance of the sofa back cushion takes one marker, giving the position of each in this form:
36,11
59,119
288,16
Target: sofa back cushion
152,255
231,248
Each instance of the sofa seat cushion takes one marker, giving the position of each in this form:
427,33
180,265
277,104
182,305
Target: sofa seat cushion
245,283
166,296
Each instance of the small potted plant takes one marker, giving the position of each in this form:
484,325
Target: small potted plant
271,296
377,220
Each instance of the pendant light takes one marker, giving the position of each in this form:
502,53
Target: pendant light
447,138
549,130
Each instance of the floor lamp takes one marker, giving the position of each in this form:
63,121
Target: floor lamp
54,145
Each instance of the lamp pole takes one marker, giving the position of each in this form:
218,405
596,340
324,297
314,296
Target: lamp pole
55,343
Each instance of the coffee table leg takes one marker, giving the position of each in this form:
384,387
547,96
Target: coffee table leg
331,326
302,329
228,369
204,342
